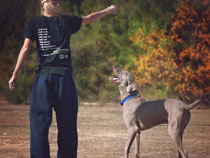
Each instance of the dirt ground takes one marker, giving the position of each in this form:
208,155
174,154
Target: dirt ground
102,134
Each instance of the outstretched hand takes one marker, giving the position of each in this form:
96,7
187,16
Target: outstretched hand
13,82
113,9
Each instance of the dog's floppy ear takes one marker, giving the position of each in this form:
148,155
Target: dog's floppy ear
132,86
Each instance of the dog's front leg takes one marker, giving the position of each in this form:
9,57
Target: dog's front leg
132,134
137,145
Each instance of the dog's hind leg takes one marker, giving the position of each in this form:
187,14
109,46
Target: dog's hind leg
185,121
137,145
131,137
174,131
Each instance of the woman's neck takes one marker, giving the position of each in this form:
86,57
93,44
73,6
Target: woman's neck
47,14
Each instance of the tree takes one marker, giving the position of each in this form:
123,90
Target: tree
92,55
155,67
178,59
191,41
12,40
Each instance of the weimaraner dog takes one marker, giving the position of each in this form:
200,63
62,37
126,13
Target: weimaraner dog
139,114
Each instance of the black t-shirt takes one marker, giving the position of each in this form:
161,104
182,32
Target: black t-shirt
52,36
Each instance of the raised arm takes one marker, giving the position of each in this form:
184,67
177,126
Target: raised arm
98,15
21,58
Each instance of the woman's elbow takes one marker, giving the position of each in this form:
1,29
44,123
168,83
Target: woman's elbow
26,49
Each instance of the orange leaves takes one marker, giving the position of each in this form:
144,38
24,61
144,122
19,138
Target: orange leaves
189,52
206,2
194,55
157,62
143,40
188,44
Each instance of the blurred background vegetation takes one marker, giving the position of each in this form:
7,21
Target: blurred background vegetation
164,43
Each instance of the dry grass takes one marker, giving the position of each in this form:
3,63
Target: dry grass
102,134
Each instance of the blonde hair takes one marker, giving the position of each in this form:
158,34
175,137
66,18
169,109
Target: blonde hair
52,7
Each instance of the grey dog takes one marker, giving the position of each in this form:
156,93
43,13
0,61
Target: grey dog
139,114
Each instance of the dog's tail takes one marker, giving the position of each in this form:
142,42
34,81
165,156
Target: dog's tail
191,106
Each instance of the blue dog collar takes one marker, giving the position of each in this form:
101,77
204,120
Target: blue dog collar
127,98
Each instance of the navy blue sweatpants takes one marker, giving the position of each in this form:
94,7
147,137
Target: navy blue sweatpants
53,91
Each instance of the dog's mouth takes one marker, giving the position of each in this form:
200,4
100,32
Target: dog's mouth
114,79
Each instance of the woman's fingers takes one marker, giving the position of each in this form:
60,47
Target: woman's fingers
113,9
12,83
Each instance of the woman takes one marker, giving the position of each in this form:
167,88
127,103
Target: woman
54,86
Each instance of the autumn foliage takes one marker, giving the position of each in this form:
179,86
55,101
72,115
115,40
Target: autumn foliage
179,59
